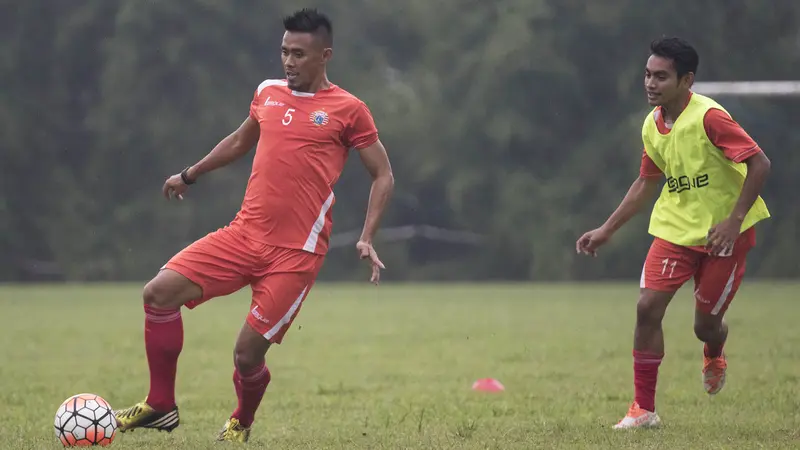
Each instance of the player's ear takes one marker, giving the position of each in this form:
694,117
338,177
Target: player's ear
688,80
327,54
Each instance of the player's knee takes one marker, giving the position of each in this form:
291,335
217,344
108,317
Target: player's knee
150,294
155,294
247,359
706,332
170,290
649,310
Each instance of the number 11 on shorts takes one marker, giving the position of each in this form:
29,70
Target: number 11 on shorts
671,264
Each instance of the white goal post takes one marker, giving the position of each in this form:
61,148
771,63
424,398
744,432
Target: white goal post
748,88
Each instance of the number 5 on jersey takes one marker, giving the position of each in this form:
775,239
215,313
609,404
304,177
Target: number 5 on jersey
287,118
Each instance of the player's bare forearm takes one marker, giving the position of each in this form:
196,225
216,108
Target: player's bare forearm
758,168
376,161
229,149
379,195
640,192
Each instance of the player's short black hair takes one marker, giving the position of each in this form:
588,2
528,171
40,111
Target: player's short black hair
683,56
309,20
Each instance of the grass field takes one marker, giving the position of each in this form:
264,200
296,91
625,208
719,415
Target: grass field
392,368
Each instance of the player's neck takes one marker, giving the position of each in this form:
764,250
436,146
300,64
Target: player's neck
671,111
319,85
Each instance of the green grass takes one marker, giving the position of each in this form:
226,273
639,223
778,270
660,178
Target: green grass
392,367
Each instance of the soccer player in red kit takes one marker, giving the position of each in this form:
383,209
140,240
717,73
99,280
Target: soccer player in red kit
304,126
703,222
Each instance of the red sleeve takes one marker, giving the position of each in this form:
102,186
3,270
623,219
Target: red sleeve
254,106
361,131
649,169
729,136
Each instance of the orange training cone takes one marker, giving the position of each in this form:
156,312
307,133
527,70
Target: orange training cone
488,385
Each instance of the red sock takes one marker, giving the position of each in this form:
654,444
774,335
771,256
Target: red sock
250,388
716,353
163,341
645,375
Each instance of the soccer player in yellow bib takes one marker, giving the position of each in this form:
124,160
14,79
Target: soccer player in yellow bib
702,223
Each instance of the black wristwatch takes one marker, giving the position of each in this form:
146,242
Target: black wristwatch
185,177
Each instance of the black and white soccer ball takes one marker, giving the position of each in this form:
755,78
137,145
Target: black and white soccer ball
85,420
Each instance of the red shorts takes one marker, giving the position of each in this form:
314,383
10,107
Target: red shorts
224,261
716,278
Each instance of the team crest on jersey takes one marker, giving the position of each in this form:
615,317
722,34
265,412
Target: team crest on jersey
319,118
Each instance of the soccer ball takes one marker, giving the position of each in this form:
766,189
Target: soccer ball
85,420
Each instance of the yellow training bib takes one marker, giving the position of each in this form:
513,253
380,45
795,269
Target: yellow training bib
702,186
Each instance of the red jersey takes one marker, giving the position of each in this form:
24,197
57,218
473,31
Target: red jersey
301,152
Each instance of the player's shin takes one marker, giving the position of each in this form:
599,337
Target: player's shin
645,378
163,338
713,331
714,338
648,346
250,387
